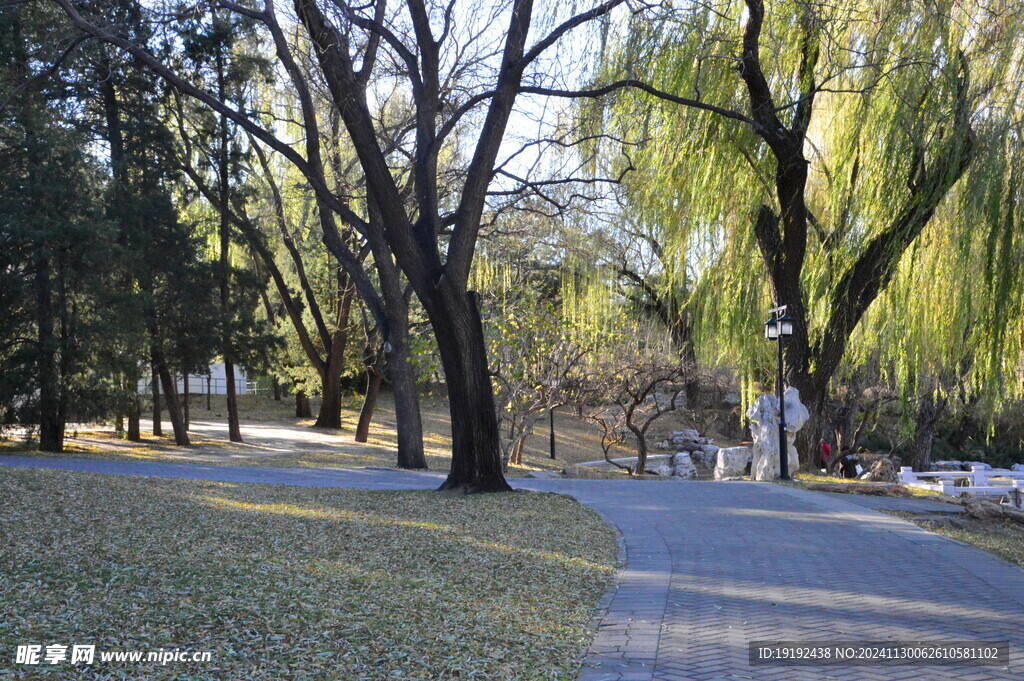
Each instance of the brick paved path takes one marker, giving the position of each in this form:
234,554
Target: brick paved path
713,566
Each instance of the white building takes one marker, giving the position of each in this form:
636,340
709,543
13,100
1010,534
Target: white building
199,384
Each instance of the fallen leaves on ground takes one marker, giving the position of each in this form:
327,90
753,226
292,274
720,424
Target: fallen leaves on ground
298,583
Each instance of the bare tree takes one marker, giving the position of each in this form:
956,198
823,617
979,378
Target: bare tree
534,373
627,395
433,244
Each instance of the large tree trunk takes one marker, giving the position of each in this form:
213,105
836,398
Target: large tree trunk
234,429
476,441
51,430
173,408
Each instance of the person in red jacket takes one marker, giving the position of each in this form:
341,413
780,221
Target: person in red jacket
825,450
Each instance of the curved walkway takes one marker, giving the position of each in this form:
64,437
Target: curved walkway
711,567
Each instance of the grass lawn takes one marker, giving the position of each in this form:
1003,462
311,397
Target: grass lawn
1005,538
298,583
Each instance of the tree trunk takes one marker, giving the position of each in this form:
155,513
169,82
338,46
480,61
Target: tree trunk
224,232
134,413
330,406
329,415
928,413
476,441
157,426
234,429
51,430
374,378
275,385
302,410
641,451
173,409
184,400
517,452
407,404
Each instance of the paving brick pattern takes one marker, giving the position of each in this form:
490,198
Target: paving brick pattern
713,566
710,567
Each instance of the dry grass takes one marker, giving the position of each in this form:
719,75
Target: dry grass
284,582
575,440
803,480
1004,538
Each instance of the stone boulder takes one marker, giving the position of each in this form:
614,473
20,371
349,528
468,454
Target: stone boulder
688,439
946,466
732,462
705,456
881,471
663,470
968,465
682,466
1017,467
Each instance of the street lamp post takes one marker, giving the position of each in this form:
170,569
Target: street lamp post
779,326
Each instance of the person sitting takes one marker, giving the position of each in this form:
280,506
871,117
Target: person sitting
848,466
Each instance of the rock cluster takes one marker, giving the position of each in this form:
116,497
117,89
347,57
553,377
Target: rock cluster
694,453
961,465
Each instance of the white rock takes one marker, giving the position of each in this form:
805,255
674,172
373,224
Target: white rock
1018,467
966,465
682,466
662,470
732,462
764,417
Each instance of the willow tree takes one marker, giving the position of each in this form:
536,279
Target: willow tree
948,334
820,139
